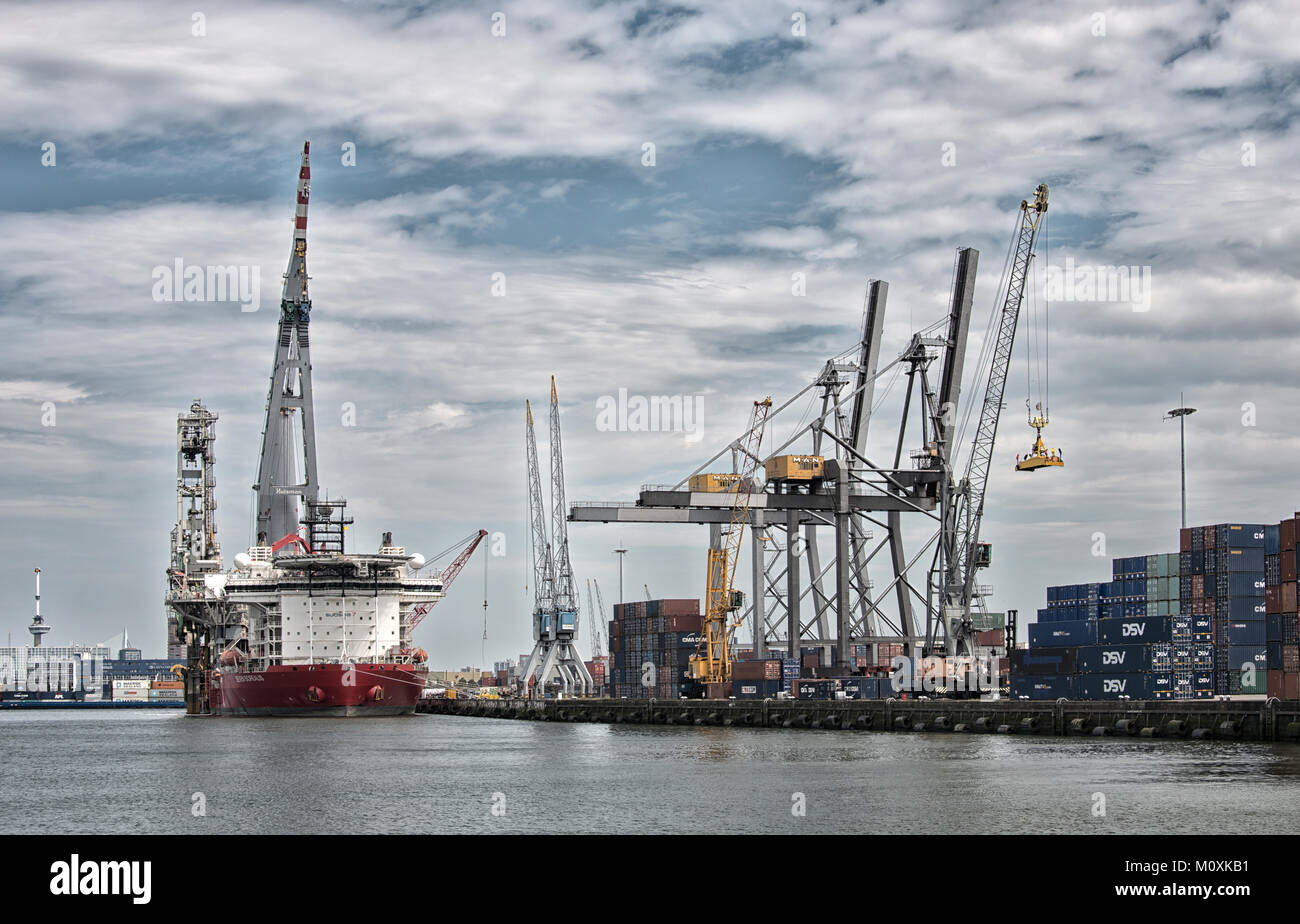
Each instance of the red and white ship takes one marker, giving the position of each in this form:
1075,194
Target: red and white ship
299,626
328,633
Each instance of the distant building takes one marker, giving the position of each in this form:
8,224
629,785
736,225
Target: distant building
177,650
126,652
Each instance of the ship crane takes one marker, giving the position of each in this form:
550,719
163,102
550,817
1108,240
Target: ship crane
420,610
712,661
968,554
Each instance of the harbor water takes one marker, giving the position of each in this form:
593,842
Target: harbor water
146,771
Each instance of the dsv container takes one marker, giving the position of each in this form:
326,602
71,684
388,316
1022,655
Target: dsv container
1094,659
1141,629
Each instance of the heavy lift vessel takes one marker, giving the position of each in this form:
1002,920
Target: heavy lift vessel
300,626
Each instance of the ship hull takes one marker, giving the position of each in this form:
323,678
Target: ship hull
319,690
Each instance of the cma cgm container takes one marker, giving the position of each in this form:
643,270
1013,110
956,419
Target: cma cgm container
1141,629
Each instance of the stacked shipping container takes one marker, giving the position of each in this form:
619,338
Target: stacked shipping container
1127,637
1281,622
651,643
1222,589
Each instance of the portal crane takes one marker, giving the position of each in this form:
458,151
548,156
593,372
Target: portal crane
967,556
712,661
555,612
419,611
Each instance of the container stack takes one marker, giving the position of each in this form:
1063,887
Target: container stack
651,643
1222,589
1281,622
1123,638
167,691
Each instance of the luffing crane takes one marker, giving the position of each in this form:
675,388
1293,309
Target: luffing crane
597,608
555,610
712,661
966,558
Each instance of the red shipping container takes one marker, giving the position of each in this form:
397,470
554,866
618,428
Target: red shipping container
681,607
991,638
1210,537
1288,567
1198,586
1285,685
1288,597
1291,658
1272,599
1286,534
694,623
1185,539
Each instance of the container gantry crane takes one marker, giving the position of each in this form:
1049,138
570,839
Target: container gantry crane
712,661
965,556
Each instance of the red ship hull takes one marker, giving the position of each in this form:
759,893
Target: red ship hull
326,690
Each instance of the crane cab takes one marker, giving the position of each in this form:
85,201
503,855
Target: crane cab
1039,456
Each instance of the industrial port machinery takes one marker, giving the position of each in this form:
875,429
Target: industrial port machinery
555,657
916,521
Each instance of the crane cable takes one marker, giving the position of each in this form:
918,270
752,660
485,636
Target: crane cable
980,373
1038,365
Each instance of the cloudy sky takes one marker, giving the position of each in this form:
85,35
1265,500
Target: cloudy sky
842,141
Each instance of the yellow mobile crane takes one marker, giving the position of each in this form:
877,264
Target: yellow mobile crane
712,661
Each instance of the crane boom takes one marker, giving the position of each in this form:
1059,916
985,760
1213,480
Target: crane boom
419,611
543,566
960,579
597,642
566,599
712,661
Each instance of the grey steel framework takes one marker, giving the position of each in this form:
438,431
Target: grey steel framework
874,506
202,619
279,467
555,611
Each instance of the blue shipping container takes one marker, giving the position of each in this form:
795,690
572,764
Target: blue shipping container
1242,560
1113,686
1241,655
1249,632
1245,535
1142,629
1074,632
1242,608
1095,659
1041,687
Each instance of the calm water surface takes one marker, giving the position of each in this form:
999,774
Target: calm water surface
137,771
